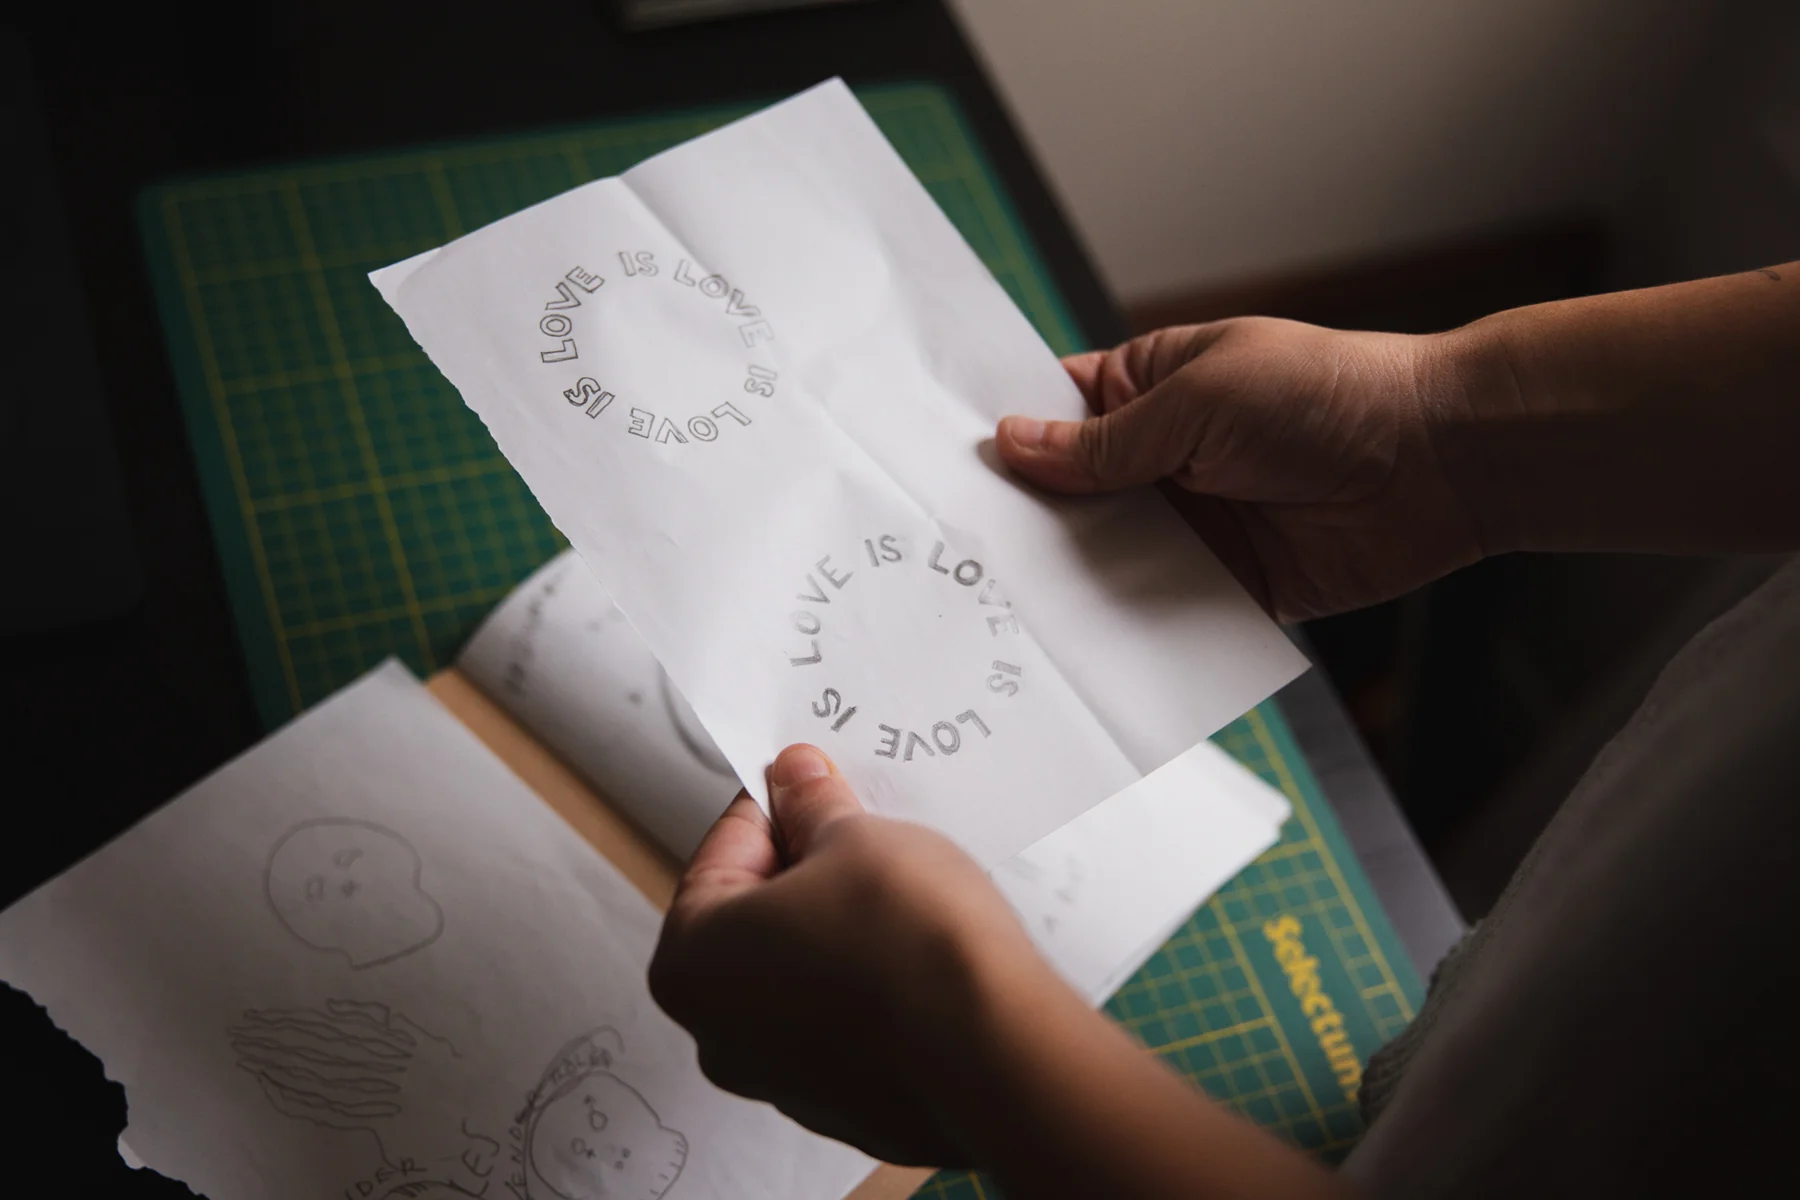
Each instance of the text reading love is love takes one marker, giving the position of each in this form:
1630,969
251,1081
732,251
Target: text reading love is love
889,558
587,394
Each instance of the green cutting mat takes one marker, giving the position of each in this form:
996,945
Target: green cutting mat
361,511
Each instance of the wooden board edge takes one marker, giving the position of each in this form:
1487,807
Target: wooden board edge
888,1182
649,868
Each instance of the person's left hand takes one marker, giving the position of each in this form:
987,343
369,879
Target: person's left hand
843,966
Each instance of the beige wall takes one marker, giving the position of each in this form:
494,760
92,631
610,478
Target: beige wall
1195,142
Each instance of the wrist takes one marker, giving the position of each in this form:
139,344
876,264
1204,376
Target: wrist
1659,420
993,1017
1474,397
1056,1100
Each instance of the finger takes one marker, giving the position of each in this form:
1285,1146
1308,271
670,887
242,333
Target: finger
1136,444
1133,368
1084,369
1121,375
737,853
808,795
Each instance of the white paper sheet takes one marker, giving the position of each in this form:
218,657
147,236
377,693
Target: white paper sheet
1103,893
1099,896
363,959
754,381
560,657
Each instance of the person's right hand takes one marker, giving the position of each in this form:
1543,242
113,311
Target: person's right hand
1312,461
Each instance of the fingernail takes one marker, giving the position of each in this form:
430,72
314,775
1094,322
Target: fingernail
797,764
1026,432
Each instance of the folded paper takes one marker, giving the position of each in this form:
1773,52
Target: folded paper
754,380
1099,895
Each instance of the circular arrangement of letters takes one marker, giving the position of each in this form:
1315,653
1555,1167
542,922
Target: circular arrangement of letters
831,584
589,395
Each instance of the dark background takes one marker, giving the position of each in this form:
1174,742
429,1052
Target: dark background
1482,697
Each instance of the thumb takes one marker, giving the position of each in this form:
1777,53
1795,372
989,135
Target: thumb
1138,443
806,796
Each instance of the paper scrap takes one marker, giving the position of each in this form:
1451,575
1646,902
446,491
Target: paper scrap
754,380
364,960
1102,894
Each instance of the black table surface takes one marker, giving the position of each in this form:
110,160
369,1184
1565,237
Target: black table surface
110,719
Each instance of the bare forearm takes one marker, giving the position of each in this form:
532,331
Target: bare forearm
1662,420
1058,1101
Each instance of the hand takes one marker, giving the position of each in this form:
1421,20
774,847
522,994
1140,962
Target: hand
841,965
866,977
1310,460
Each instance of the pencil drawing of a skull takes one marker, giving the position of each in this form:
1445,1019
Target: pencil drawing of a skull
353,888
